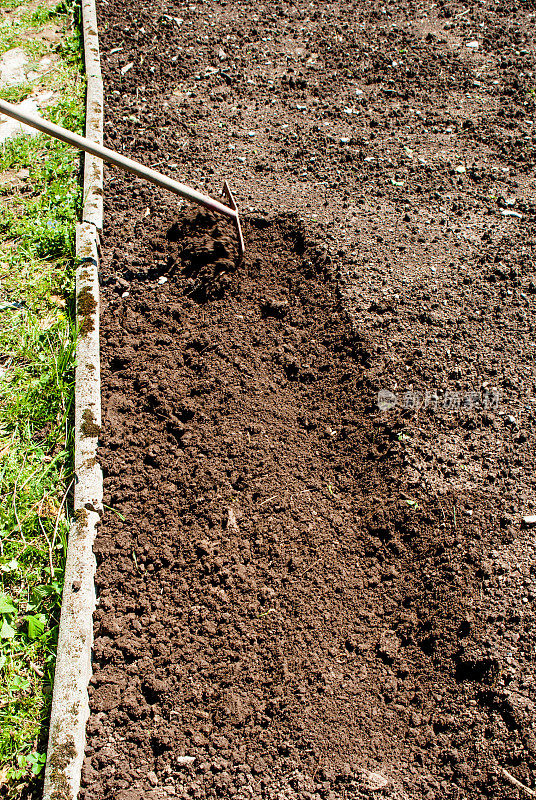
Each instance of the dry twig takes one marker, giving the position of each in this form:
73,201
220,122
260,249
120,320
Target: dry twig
64,498
514,781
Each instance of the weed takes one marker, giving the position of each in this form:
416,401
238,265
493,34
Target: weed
115,511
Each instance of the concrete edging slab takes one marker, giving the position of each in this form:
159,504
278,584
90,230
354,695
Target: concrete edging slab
70,706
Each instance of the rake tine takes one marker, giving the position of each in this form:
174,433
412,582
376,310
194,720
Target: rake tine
232,203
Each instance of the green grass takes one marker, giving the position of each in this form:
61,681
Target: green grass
18,30
22,29
40,199
10,5
17,93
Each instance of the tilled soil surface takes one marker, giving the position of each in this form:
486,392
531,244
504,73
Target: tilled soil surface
317,567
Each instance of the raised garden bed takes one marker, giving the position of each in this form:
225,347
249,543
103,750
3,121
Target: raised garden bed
304,594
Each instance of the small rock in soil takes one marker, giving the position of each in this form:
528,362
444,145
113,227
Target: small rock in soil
375,781
182,761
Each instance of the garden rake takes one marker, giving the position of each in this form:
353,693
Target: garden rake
129,165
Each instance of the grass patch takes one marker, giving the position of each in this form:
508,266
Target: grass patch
13,33
40,200
10,5
22,28
17,93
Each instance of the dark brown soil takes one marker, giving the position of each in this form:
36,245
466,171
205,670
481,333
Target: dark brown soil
315,577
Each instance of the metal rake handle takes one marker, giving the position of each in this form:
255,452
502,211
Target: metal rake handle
127,164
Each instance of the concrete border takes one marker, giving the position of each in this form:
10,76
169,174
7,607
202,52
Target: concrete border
93,167
70,706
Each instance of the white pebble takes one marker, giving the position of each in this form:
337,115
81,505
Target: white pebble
376,781
185,759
